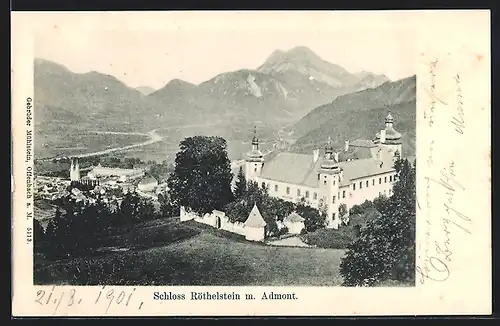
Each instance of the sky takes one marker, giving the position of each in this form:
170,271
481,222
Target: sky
152,48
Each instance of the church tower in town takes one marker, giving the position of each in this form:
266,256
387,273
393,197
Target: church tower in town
389,138
254,160
74,172
329,178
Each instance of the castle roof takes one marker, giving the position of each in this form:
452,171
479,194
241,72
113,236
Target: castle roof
299,169
367,143
255,219
357,153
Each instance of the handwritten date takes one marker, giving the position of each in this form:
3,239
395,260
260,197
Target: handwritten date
59,298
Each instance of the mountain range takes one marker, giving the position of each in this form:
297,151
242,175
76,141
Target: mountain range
360,115
145,90
286,88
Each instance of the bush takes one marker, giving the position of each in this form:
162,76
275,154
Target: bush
282,231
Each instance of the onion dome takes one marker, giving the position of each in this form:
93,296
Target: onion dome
255,154
391,135
389,118
329,161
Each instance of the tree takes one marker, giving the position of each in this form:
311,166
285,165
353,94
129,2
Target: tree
202,177
129,209
343,213
167,208
39,243
385,248
146,210
58,236
241,184
239,209
313,220
38,231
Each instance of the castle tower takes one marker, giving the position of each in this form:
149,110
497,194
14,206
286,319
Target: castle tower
329,182
74,172
254,160
389,138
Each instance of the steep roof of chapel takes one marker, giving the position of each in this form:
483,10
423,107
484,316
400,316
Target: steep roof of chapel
255,219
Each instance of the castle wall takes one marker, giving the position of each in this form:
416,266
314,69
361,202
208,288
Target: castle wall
368,189
212,220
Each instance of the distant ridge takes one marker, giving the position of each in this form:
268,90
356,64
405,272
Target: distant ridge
360,115
285,88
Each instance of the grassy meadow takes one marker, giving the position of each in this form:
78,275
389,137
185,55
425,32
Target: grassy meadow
166,252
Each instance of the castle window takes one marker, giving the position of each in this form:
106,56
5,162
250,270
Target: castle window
324,182
255,170
334,181
385,179
318,176
275,187
333,215
373,182
343,194
307,194
287,190
379,181
367,183
390,178
315,196
360,184
298,192
263,184
353,186
333,200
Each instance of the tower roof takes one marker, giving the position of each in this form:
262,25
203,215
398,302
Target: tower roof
255,153
391,135
255,140
389,118
329,147
255,219
329,161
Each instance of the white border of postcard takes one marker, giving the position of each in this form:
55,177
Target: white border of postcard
453,215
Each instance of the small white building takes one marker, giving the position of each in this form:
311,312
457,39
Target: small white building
147,184
294,223
255,226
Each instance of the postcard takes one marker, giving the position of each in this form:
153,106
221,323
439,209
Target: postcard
259,163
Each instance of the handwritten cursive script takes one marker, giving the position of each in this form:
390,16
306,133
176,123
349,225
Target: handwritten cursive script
58,298
458,119
441,182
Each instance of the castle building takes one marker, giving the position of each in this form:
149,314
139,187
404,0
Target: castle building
362,170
